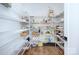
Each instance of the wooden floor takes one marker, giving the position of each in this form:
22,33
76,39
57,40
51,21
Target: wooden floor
45,50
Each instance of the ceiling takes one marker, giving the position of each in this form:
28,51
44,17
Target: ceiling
37,9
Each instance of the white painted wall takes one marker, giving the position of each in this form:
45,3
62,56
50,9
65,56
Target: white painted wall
72,29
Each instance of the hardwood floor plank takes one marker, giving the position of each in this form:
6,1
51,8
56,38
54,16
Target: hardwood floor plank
44,50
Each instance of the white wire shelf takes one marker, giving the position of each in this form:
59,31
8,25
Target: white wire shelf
59,45
16,20
7,42
60,38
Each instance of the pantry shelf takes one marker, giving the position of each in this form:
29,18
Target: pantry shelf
16,20
16,31
59,45
60,38
8,42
